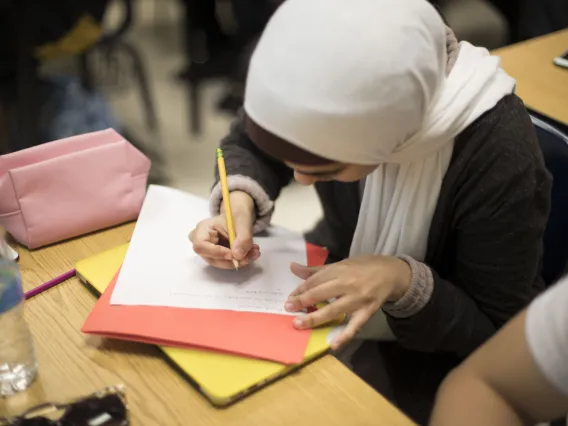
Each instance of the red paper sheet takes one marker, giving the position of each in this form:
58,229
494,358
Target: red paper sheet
256,335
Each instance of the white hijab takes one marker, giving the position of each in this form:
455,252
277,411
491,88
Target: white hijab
403,193
364,82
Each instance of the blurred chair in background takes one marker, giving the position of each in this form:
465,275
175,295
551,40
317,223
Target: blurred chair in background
31,33
211,53
214,54
250,24
208,53
540,17
476,21
114,65
554,146
533,18
113,59
46,107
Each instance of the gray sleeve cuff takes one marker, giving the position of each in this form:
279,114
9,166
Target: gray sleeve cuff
264,205
417,295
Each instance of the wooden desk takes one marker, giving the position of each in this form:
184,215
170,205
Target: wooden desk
541,85
72,364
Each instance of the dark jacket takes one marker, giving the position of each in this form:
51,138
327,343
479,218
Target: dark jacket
484,247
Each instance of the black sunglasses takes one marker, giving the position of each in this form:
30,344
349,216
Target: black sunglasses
106,407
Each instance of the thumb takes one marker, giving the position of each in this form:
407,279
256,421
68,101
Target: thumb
304,272
243,242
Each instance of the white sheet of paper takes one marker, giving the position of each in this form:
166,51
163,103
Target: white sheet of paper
161,269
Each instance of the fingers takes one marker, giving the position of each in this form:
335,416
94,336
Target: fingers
357,321
321,293
243,230
253,255
324,315
318,275
302,271
205,239
210,250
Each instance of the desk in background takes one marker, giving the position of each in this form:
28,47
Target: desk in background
541,85
72,364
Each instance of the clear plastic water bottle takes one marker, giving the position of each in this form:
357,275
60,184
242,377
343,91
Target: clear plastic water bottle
18,365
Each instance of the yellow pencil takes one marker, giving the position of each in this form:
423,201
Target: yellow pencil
226,201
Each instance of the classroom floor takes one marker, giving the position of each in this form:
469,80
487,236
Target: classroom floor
188,160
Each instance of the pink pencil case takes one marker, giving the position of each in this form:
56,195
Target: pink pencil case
71,187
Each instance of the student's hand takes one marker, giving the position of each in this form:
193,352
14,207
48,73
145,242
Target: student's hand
361,286
211,241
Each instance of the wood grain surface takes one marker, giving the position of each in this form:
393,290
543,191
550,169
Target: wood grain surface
72,364
541,85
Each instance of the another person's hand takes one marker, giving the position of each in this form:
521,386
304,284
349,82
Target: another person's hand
359,286
210,236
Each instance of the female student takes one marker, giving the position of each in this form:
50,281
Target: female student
433,188
520,377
